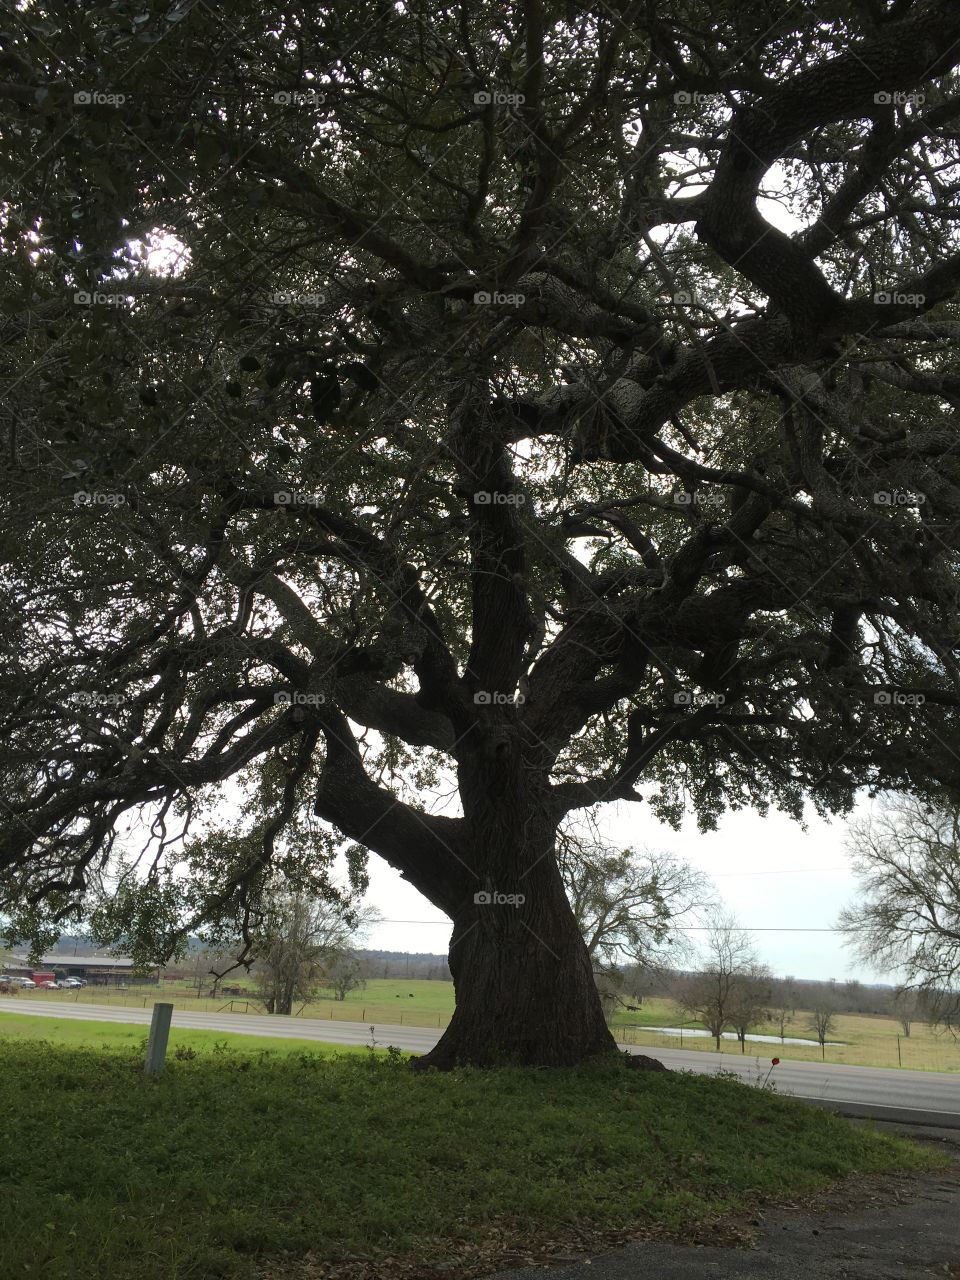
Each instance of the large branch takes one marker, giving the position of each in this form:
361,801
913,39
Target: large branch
501,618
433,661
900,56
426,849
376,706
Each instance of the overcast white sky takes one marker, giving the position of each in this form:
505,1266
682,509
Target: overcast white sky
771,873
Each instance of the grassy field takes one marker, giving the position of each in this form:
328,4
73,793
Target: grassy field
418,1003
129,1038
236,1165
868,1041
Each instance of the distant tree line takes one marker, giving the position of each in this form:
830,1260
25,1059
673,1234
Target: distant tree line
403,964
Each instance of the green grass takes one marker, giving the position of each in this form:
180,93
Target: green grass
130,1037
869,1041
232,1162
415,1002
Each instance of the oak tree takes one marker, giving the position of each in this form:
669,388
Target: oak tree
556,400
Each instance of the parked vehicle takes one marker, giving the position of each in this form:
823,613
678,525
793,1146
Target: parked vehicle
71,984
48,985
27,982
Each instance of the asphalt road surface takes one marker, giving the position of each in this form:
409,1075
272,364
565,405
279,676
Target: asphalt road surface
922,1097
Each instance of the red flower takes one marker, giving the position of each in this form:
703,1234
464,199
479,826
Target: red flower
775,1061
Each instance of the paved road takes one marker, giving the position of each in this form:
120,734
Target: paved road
920,1096
931,1097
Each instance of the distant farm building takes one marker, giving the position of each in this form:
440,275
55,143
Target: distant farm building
96,970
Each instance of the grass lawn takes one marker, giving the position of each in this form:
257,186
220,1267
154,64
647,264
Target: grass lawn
130,1038
236,1165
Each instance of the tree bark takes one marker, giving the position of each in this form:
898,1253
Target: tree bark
524,987
523,980
525,990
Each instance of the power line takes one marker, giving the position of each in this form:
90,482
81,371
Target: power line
704,928
787,871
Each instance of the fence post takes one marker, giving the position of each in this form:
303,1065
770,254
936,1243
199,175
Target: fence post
899,1059
157,1042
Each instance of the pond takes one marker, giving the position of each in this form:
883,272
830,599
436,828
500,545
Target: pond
732,1035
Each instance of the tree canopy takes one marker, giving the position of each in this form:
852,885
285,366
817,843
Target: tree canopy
558,398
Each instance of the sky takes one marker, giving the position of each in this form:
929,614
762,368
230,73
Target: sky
776,878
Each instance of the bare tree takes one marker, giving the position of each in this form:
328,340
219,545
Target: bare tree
343,975
906,1006
784,1005
713,995
906,855
750,1001
629,903
823,1022
853,995
300,941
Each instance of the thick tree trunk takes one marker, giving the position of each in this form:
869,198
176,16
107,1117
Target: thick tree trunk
525,991
523,980
524,986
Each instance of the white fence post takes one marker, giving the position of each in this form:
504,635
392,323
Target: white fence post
157,1042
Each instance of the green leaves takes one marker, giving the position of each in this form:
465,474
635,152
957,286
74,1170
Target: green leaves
365,378
208,153
324,393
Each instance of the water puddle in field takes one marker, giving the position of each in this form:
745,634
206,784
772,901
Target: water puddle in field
689,1032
